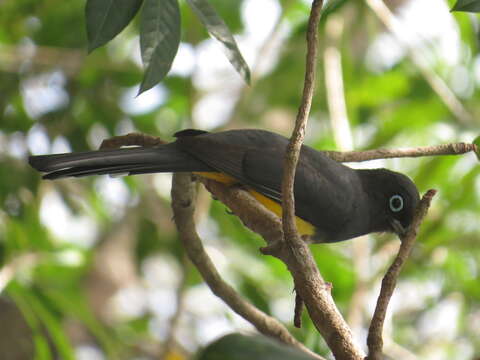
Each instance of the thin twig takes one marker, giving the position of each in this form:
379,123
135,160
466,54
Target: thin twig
375,340
396,351
299,304
296,140
13,57
130,139
444,149
183,195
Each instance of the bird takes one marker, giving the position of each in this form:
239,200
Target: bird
333,202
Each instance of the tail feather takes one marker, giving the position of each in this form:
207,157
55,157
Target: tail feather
163,158
109,170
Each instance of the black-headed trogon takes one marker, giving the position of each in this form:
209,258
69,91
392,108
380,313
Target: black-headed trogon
332,201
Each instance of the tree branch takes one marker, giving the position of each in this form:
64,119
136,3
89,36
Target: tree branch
375,340
444,149
296,140
183,196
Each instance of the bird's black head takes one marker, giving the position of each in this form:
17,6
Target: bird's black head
394,198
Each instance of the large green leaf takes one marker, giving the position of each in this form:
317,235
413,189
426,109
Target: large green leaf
107,18
467,5
159,39
219,30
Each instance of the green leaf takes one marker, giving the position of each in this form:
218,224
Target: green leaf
467,5
107,18
219,30
477,143
242,347
159,39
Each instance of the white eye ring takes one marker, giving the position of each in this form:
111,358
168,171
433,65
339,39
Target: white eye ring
396,203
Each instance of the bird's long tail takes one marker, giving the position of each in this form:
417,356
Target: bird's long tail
162,158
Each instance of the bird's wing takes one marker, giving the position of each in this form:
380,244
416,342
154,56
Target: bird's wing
230,152
220,155
319,193
255,158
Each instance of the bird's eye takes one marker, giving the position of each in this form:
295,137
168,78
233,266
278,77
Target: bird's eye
396,203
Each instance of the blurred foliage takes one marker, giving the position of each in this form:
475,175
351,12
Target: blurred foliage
94,266
243,347
467,5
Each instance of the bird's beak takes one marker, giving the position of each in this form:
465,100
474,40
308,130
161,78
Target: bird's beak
397,227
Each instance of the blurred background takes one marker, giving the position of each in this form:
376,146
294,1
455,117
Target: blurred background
92,268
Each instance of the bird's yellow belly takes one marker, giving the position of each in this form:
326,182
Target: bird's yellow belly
303,227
